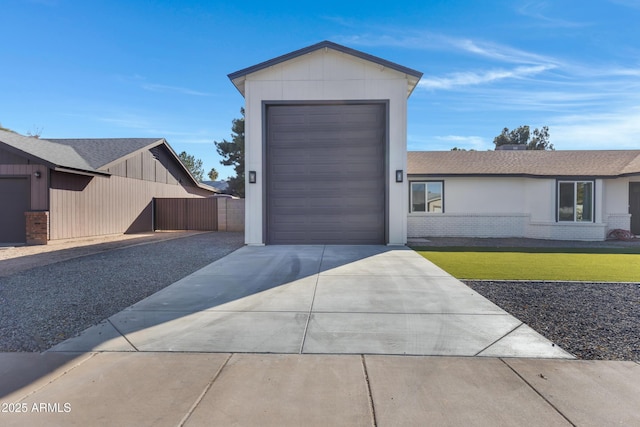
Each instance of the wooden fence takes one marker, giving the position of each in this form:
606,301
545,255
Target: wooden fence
186,214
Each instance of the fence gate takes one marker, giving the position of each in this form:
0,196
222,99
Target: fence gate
185,214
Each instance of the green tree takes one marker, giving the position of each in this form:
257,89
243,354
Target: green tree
193,165
232,153
538,140
6,129
213,174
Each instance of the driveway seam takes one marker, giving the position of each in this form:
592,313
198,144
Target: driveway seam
65,372
538,393
123,335
204,392
372,406
313,299
500,339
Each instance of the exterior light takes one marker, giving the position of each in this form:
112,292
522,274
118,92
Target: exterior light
37,174
399,175
252,177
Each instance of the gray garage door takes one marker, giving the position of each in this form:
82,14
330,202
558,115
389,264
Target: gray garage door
325,180
14,202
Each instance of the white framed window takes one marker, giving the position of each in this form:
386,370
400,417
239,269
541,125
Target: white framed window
427,196
575,201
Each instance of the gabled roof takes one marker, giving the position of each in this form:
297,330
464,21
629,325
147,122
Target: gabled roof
101,152
87,156
532,163
52,154
238,77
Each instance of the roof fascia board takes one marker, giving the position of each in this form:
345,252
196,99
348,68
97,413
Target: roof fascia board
177,159
80,172
157,143
322,45
133,153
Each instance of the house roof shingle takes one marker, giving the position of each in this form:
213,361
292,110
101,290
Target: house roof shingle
89,155
103,151
53,153
591,163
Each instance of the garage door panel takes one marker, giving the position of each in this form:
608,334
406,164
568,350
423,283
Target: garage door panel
16,200
326,174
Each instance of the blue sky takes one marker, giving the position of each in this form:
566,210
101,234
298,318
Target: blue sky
111,68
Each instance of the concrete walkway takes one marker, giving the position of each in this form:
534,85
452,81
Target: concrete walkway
319,300
219,389
181,357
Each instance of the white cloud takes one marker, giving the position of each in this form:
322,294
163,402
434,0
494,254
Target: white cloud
447,142
635,4
173,89
425,40
536,10
619,130
456,80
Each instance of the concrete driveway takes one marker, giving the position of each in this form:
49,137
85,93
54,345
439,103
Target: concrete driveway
318,299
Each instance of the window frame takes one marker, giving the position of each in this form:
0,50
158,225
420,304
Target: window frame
426,184
575,183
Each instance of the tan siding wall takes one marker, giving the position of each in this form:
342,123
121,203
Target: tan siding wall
119,169
161,173
148,166
134,168
88,206
38,185
159,168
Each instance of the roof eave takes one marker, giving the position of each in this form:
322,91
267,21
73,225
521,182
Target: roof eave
238,78
184,168
80,171
133,153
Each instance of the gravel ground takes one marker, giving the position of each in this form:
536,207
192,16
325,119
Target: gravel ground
594,321
42,306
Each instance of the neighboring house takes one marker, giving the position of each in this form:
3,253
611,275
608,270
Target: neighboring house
566,195
325,134
218,185
66,188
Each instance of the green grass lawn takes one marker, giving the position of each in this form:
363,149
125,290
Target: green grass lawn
536,264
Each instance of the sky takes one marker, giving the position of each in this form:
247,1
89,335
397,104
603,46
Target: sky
133,68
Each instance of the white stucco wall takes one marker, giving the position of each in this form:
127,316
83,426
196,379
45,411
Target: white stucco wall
616,203
326,75
518,207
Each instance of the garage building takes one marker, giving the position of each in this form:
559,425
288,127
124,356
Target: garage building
325,147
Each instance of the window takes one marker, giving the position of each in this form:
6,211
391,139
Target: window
426,196
575,201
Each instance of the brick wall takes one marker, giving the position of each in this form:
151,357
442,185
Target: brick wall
467,225
37,227
621,221
503,225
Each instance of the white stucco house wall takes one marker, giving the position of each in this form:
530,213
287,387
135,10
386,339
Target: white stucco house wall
564,195
325,147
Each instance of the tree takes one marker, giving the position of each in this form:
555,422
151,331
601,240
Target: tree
232,153
522,136
213,174
193,165
6,129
